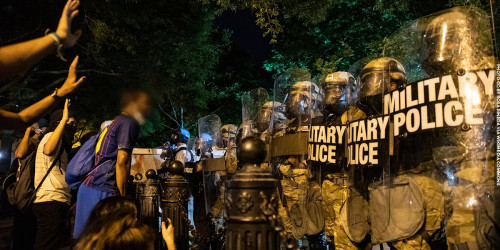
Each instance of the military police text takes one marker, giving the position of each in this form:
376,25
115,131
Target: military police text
323,143
363,139
448,100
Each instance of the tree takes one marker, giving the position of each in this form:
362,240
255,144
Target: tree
167,47
351,31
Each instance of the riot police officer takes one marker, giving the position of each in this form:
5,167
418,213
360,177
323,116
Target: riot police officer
300,208
271,114
179,139
457,42
334,186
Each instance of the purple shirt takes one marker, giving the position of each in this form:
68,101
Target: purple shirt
120,134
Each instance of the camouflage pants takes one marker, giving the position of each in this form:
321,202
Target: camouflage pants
300,210
334,196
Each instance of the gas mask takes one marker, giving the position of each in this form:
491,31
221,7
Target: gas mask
303,100
335,91
270,110
377,78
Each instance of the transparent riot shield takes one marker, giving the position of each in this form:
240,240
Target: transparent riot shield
251,103
211,161
326,155
369,150
444,123
300,208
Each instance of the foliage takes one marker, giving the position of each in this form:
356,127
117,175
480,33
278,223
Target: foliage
191,67
351,31
269,12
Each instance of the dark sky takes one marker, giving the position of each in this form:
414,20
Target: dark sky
246,34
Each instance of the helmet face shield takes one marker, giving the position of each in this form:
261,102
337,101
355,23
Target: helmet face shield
374,82
377,78
297,105
451,41
335,90
335,99
228,134
263,119
303,99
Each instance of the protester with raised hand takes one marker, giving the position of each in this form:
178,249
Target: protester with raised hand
52,199
19,57
33,113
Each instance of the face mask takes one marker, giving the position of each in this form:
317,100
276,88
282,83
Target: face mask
138,116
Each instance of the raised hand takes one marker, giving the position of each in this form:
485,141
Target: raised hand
70,11
71,82
65,116
167,233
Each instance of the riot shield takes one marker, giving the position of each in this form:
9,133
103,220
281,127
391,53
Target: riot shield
300,208
212,162
326,154
444,122
369,150
251,103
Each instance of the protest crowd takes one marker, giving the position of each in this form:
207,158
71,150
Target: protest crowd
43,202
395,152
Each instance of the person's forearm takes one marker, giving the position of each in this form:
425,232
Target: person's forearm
28,116
19,57
122,173
22,148
170,244
54,140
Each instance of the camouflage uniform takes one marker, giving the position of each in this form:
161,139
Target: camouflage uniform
335,193
297,212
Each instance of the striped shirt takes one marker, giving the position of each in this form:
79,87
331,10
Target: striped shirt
54,188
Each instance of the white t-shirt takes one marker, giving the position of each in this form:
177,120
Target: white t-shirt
54,188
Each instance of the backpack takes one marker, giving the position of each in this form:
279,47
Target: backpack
21,192
82,163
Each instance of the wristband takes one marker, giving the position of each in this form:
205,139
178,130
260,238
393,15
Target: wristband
56,38
59,45
55,96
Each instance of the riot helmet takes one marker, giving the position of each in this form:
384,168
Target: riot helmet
270,110
303,99
181,135
246,129
378,77
228,133
335,92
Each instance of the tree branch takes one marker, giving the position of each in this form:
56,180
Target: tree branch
56,72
